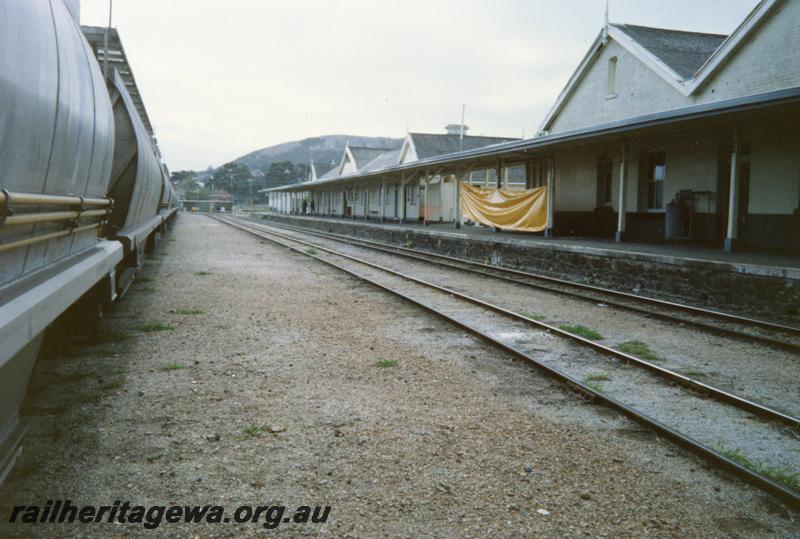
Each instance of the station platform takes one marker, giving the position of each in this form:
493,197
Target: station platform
764,284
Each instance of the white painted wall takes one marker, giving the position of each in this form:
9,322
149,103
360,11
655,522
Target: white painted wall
639,91
448,194
692,165
766,61
433,212
692,162
336,201
407,153
375,200
775,165
412,207
359,202
576,178
348,167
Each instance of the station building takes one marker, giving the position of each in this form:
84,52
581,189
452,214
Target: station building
658,135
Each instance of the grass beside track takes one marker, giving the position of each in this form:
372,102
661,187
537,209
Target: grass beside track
638,349
582,331
787,476
386,363
149,327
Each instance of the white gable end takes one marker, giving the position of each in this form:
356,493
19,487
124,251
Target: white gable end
348,166
408,153
760,56
638,88
766,61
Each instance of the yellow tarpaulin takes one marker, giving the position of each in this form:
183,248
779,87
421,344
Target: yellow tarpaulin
525,211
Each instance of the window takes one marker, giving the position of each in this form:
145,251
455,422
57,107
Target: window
476,177
604,179
612,77
656,173
515,177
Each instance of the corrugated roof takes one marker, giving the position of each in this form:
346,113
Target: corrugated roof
432,145
364,155
544,143
385,160
332,173
684,52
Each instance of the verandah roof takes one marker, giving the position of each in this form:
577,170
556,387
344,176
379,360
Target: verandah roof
539,146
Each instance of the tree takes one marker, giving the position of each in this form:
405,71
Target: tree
183,175
283,172
186,183
302,170
234,178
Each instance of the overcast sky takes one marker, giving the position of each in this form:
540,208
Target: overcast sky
222,78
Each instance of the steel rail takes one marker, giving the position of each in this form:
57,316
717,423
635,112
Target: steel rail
779,490
739,402
424,257
563,282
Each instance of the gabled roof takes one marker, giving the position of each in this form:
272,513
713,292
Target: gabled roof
332,173
672,54
314,171
431,145
684,52
363,155
384,160
543,145
360,156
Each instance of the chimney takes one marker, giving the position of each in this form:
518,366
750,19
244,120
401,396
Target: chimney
455,129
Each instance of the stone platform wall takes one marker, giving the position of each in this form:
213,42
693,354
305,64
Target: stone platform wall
696,283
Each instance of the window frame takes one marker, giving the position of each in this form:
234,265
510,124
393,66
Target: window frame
611,77
652,182
605,184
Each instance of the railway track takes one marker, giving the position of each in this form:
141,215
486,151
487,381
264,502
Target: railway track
715,361
774,335
690,413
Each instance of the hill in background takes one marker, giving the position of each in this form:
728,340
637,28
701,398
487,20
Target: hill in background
326,151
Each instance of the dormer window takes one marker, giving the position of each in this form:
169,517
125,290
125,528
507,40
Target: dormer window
612,78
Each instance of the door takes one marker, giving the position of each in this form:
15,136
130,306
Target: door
604,179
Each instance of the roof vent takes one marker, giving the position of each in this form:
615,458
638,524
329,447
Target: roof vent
455,129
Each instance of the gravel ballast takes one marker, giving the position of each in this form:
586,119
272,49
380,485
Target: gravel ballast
255,376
